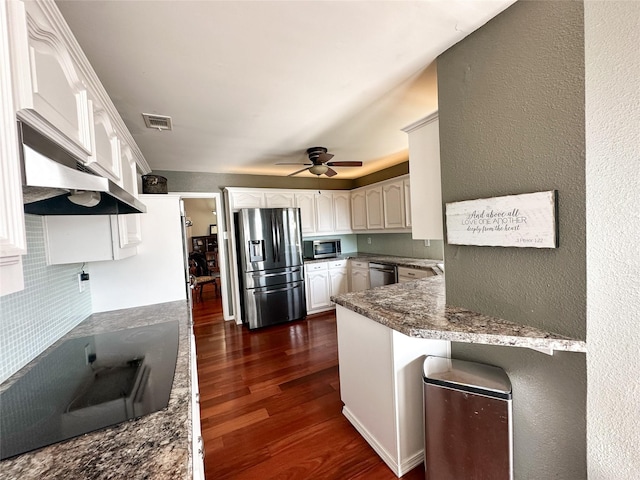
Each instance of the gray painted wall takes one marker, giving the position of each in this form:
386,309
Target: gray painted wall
214,182
400,245
511,109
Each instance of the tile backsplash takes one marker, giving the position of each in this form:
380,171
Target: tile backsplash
49,306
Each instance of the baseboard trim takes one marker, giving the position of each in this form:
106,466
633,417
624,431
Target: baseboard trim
399,469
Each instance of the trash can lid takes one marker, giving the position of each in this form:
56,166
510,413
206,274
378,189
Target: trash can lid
454,373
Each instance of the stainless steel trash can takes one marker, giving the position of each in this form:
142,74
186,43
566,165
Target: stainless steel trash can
467,421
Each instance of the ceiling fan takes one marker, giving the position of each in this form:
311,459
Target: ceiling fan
320,164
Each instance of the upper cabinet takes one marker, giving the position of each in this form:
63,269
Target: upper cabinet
358,210
47,82
393,201
342,211
57,92
325,221
12,231
105,159
381,207
49,90
424,165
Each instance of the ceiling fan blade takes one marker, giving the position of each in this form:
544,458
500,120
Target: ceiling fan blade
295,173
345,164
294,163
325,157
330,173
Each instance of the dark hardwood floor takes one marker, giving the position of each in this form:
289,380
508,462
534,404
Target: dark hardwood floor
270,402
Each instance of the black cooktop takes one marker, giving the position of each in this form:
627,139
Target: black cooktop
87,384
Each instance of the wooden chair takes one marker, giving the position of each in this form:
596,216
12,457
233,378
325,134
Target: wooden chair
200,274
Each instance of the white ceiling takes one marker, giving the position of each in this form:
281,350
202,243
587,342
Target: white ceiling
252,83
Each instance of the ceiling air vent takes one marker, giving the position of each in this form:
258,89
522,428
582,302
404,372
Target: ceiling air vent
157,122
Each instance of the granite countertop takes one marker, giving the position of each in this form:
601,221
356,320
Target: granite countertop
155,446
418,309
408,262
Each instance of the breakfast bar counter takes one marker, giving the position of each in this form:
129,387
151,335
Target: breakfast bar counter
157,445
418,309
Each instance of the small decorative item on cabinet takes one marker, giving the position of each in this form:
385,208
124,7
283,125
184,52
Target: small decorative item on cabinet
154,184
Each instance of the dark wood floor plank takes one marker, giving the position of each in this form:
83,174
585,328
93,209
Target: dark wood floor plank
270,403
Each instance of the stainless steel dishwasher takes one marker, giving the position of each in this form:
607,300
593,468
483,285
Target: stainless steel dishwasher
382,274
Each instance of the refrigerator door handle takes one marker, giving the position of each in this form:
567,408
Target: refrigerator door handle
274,241
278,236
266,292
262,275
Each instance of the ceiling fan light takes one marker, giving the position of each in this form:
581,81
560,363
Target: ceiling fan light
318,169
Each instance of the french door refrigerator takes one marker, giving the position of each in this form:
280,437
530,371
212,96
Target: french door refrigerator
270,268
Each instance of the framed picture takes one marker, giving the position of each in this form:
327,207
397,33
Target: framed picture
526,220
213,229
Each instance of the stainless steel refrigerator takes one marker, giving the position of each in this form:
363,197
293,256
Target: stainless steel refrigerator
270,268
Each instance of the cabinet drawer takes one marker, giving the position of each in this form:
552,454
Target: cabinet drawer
414,273
337,264
315,267
359,264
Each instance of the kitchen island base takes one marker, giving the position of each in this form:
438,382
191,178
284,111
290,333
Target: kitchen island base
381,386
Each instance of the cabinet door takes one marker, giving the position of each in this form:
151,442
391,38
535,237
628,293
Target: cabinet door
129,230
106,158
247,199
84,238
318,285
339,280
424,165
358,210
374,208
280,200
306,203
324,212
342,211
50,92
393,199
359,279
407,202
12,230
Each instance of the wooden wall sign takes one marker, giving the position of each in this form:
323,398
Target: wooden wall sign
527,220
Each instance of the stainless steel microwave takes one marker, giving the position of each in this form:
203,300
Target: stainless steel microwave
321,248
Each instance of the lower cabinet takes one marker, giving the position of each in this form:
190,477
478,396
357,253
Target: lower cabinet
408,274
197,444
359,276
322,280
381,386
90,238
318,287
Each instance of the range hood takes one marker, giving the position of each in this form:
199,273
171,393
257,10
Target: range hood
55,183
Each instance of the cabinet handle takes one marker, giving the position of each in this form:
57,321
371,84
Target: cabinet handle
197,397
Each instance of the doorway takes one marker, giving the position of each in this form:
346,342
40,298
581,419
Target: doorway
205,223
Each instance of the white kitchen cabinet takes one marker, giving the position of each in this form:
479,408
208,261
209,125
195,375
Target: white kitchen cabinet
246,199
50,89
12,230
359,275
318,287
381,386
358,210
84,238
408,274
338,277
342,211
306,202
279,200
197,443
393,201
407,202
374,202
322,280
106,159
424,165
324,213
